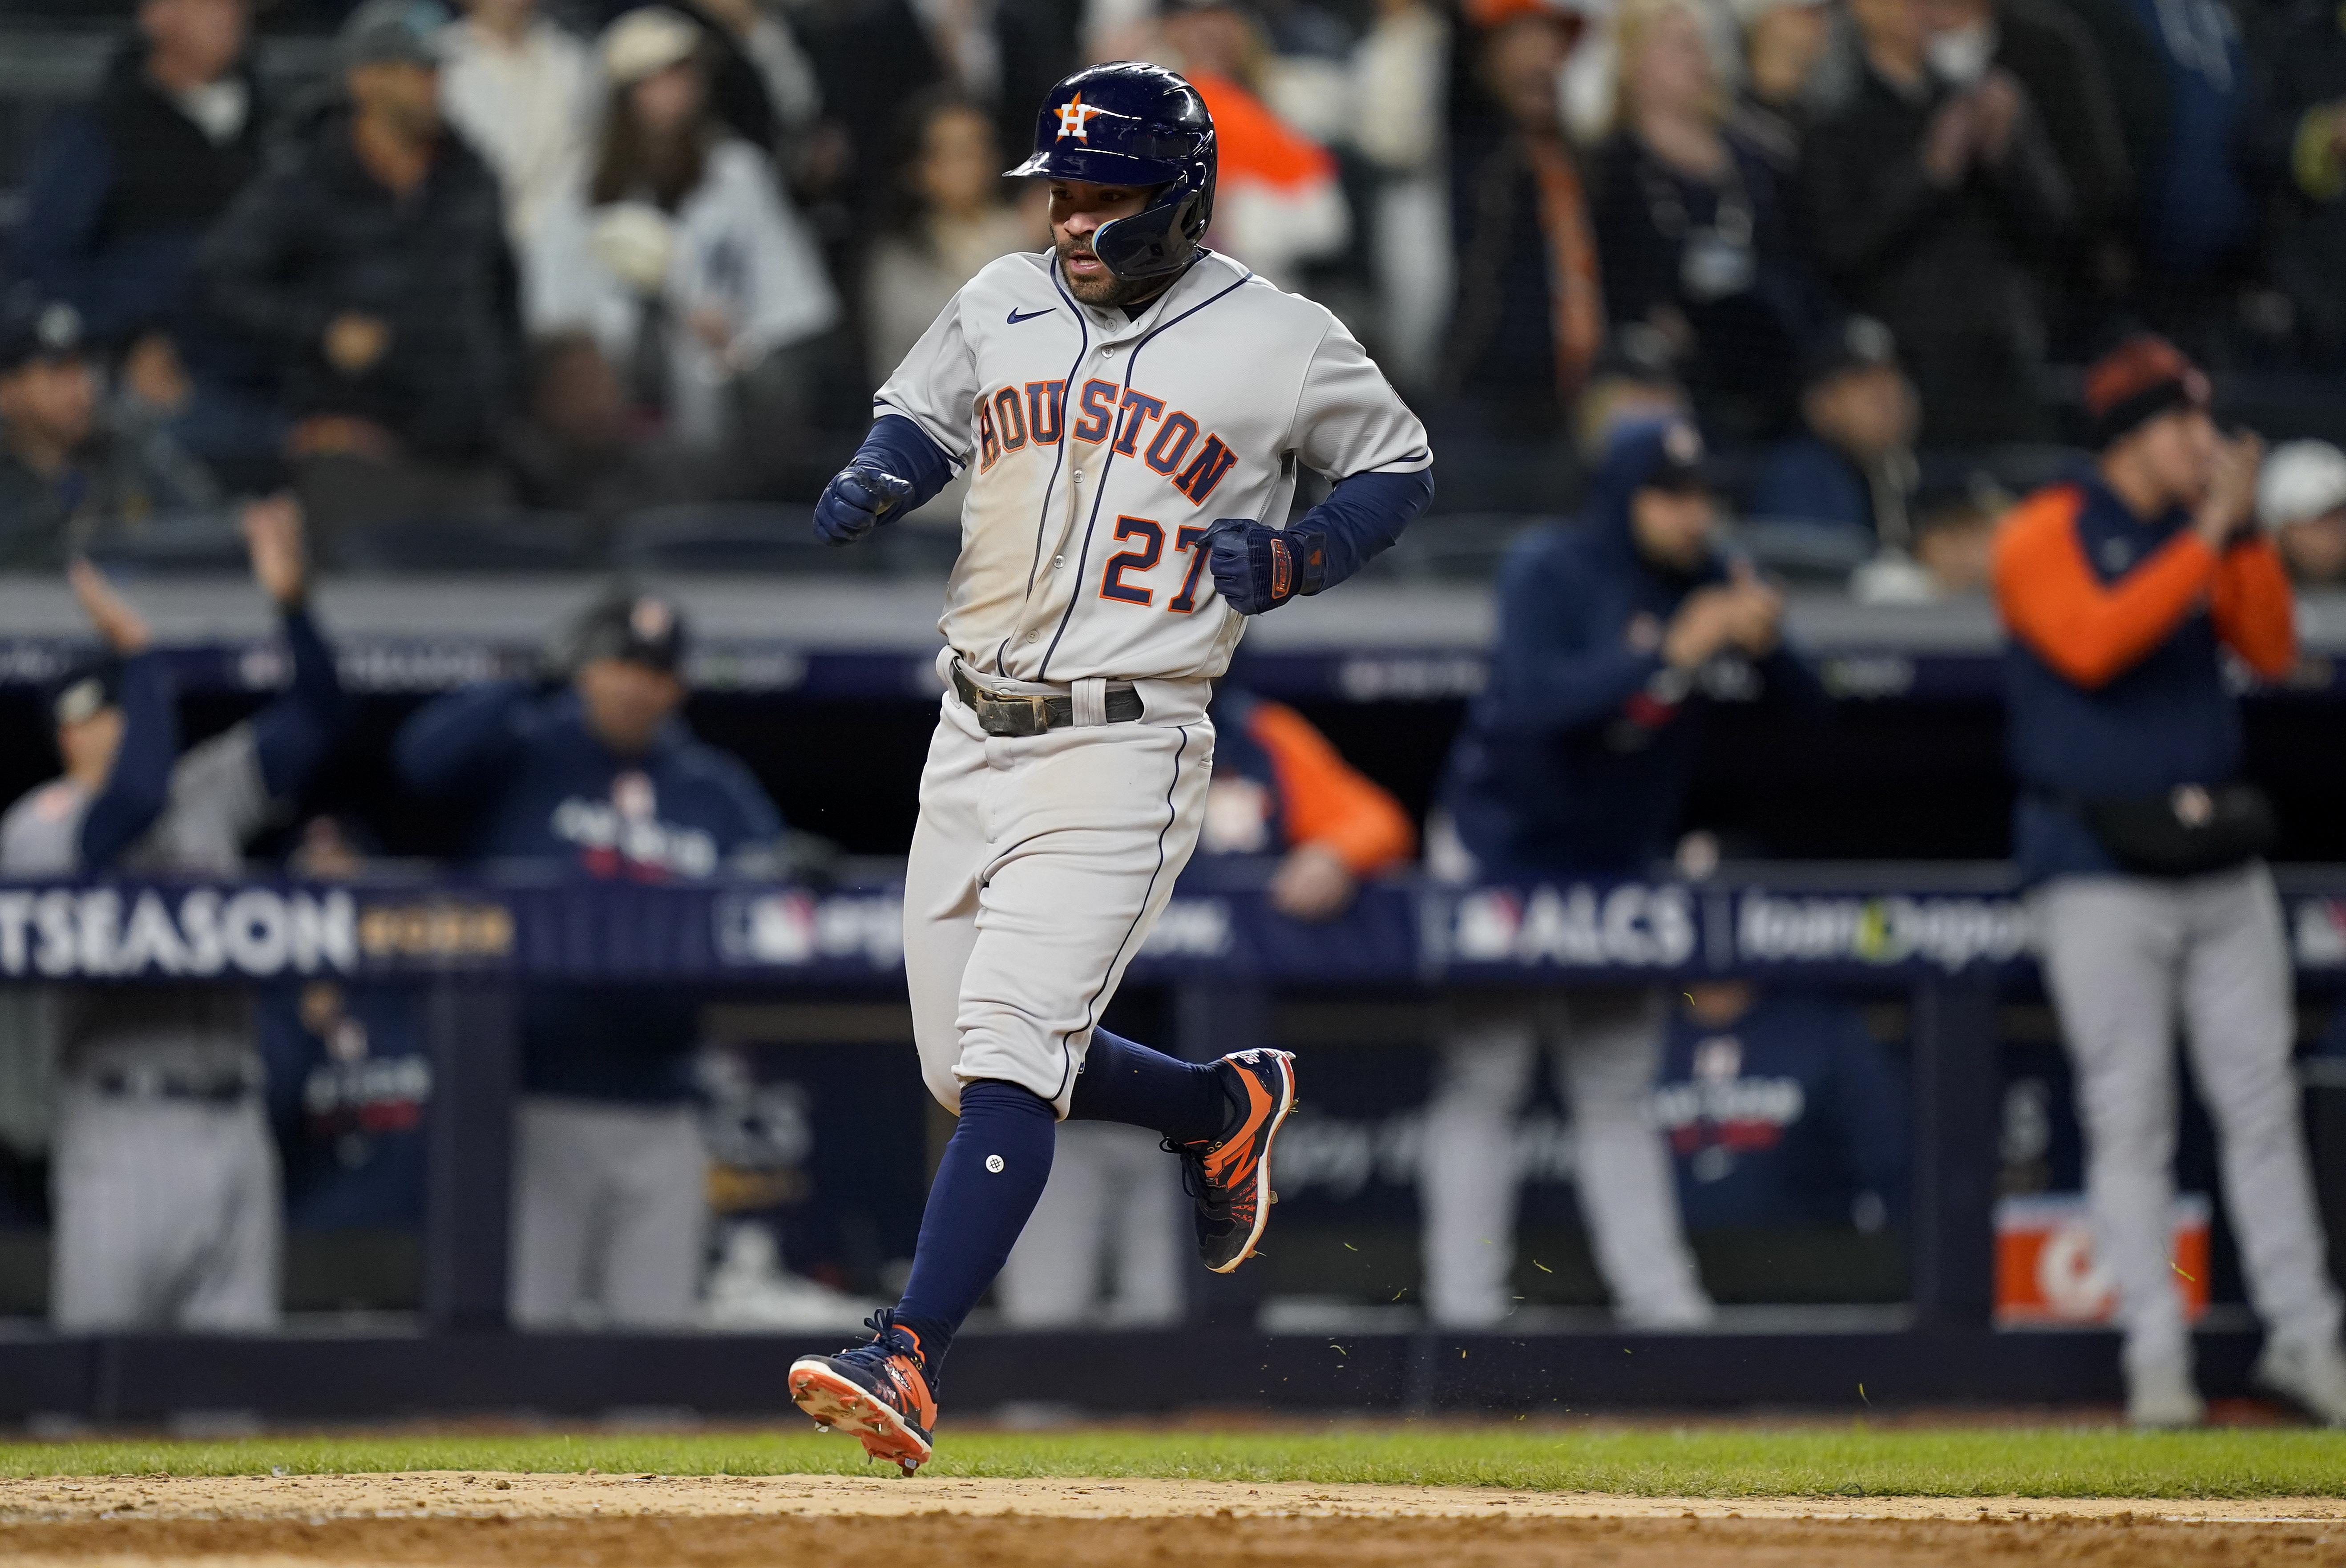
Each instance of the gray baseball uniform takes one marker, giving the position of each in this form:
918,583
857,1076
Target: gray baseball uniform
1101,446
165,1181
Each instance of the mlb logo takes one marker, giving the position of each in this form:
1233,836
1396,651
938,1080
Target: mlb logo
2045,1274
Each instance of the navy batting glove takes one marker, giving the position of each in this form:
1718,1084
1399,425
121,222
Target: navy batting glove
1257,567
857,497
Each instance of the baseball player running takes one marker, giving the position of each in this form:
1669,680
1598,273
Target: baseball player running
1133,409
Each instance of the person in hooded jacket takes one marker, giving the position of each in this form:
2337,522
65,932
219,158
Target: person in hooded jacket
1574,762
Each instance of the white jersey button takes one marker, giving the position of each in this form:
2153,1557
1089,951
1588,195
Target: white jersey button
1057,562
1030,636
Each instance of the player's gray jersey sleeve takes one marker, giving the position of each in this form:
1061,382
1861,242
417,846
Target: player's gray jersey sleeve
219,799
1347,418
937,383
41,834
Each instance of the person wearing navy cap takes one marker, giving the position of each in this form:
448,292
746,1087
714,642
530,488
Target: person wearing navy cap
1854,465
70,468
600,779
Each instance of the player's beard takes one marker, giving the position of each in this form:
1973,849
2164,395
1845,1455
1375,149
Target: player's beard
1107,292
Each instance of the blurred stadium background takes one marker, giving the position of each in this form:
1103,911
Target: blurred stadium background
1861,863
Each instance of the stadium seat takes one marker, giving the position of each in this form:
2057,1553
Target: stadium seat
198,542
1804,552
735,537
1456,547
479,542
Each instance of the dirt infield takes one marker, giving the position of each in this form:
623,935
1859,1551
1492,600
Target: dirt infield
648,1522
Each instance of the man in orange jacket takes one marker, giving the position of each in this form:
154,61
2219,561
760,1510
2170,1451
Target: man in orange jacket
2140,842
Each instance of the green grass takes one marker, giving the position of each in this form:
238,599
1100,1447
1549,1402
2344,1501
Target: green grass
1798,1461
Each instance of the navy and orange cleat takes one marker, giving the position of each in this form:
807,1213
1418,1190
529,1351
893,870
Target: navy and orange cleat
1230,1176
879,1394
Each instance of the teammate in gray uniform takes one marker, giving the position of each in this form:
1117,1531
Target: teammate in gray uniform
165,1184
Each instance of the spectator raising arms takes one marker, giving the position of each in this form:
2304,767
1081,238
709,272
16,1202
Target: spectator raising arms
1528,318
680,253
71,470
372,258
954,221
1932,208
521,89
119,197
1693,237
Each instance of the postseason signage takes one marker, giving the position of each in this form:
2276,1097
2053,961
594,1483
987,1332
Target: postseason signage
1218,924
127,933
190,930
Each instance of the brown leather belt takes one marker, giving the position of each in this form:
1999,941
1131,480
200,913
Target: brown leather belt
1008,714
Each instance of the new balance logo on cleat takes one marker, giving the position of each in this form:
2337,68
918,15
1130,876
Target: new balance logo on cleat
879,1393
1230,1176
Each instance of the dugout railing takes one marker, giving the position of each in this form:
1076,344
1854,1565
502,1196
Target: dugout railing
1951,940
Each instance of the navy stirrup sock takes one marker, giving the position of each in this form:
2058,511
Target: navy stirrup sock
1124,1082
987,1185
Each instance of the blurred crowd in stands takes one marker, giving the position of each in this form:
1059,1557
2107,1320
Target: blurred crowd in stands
580,259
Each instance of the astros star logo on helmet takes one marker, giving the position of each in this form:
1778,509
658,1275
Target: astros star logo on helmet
1074,115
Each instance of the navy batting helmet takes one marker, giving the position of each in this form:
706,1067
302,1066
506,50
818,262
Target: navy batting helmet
1127,123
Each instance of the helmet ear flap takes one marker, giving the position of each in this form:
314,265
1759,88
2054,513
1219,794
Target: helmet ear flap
1157,240
1197,214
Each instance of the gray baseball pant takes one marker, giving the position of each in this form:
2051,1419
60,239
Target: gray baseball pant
610,1214
2122,955
168,1214
1114,1199
1607,1044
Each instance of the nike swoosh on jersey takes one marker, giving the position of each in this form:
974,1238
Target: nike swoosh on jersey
1016,318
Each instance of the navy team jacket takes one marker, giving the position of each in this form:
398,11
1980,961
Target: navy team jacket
2113,683
1569,761
1783,1119
349,1084
548,793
